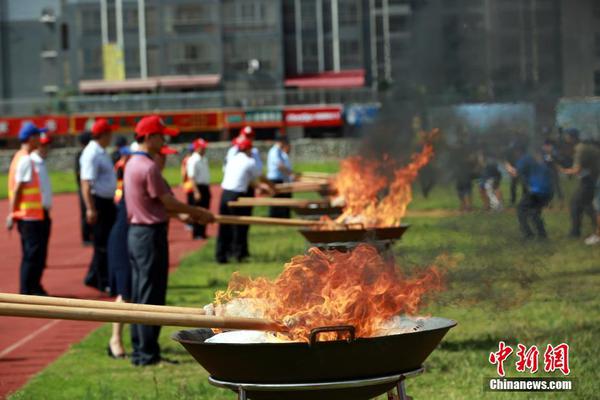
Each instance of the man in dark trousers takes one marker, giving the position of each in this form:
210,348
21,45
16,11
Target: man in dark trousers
240,175
149,205
538,191
198,173
586,168
98,185
26,208
86,230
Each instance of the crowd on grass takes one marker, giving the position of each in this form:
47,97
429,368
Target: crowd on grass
535,174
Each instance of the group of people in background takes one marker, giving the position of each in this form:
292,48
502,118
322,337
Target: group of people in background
536,172
126,204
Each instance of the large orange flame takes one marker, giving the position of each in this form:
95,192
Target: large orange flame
325,288
376,193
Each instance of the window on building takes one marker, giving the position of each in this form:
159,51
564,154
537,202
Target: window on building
597,45
89,21
597,83
247,14
192,18
193,58
596,9
349,12
398,23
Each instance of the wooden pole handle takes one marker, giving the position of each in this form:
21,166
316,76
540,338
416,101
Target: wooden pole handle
104,305
244,220
137,317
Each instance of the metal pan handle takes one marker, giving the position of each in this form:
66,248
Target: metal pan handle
340,328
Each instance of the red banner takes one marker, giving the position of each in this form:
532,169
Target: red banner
193,121
57,124
313,116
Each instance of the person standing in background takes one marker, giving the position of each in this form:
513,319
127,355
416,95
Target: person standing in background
98,186
279,170
149,206
86,230
120,143
198,173
586,167
119,267
26,208
240,174
536,176
39,157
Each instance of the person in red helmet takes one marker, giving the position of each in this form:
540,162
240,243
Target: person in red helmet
247,132
198,174
150,203
240,175
98,186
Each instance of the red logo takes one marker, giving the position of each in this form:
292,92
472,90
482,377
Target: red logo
500,356
555,358
528,359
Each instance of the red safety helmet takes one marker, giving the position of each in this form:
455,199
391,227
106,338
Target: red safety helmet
101,126
243,143
45,138
248,131
199,144
153,124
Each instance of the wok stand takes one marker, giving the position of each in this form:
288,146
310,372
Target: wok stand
243,389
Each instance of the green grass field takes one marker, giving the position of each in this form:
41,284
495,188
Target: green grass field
501,288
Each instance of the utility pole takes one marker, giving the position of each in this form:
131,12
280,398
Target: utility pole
142,35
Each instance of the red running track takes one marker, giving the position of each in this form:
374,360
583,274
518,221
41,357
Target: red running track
28,345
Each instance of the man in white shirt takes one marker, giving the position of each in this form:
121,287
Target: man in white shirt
198,173
240,175
98,185
39,164
279,170
246,132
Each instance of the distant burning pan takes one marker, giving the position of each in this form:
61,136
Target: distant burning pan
318,211
319,237
314,362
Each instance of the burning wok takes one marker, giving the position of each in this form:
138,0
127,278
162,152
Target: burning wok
296,362
354,235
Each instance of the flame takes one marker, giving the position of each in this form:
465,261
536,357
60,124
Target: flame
376,193
326,288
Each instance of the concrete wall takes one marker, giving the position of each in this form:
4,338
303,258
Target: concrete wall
303,150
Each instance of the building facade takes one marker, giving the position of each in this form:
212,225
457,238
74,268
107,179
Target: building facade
463,50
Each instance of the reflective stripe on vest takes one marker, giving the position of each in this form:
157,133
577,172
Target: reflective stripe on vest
188,184
29,207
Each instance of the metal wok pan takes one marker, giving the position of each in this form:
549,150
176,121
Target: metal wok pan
354,235
316,361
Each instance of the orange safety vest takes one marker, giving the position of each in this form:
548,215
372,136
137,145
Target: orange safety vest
120,172
29,206
188,184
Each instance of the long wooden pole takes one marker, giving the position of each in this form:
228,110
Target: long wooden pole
104,305
244,220
275,201
136,317
296,187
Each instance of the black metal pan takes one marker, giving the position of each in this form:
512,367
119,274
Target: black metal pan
354,235
316,361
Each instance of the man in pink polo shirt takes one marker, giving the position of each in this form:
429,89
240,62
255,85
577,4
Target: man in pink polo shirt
149,205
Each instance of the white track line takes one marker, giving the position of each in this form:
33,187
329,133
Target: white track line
28,338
